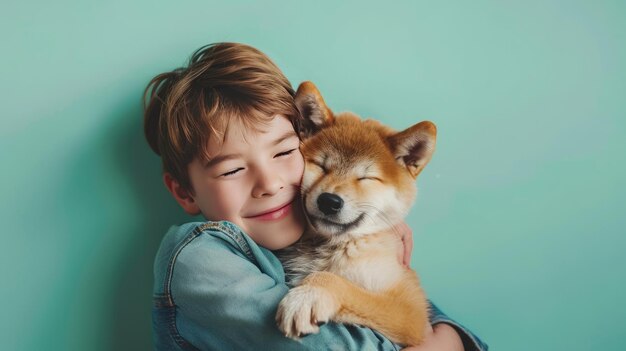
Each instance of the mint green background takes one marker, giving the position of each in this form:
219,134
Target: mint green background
519,227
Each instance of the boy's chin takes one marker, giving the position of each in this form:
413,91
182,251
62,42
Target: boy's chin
279,239
276,235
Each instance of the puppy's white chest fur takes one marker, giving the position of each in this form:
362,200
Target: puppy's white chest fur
369,261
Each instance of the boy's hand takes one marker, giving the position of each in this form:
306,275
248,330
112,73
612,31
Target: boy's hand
406,235
442,337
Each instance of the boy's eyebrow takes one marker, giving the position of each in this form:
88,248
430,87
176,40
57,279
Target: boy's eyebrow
220,158
285,136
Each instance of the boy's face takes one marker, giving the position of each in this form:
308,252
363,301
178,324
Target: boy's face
253,180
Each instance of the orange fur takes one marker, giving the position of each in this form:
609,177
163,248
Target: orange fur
362,282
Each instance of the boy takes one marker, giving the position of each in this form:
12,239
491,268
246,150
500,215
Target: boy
226,128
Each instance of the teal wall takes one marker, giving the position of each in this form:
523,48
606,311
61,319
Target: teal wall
519,227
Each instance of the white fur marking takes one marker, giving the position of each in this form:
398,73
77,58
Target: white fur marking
302,308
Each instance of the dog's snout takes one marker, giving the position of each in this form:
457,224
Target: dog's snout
329,203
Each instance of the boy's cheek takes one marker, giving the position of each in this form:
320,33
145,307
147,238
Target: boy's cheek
221,204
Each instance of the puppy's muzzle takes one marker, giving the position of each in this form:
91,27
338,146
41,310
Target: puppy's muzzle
329,204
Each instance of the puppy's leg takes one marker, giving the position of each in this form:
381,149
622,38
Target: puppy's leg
400,313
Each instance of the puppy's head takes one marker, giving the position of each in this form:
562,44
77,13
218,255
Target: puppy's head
359,175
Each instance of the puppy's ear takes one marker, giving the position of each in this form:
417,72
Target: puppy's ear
315,114
414,146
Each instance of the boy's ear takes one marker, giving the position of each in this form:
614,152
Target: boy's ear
413,147
316,115
182,195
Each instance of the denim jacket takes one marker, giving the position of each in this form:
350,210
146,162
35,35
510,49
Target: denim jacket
216,289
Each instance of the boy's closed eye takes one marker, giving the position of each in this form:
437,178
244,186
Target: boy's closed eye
234,171
237,170
285,153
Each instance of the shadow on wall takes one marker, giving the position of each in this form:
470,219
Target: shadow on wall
131,295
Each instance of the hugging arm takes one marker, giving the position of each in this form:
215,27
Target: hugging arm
238,312
392,315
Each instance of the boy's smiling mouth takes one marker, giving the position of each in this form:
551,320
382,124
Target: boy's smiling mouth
274,213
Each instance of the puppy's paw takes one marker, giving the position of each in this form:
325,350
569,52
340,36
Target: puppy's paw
303,308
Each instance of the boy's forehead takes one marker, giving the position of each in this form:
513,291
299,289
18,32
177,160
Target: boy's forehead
238,134
249,131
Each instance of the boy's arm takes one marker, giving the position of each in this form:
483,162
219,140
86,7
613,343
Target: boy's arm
470,341
441,337
225,302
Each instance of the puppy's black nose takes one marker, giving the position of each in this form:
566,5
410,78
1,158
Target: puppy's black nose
329,204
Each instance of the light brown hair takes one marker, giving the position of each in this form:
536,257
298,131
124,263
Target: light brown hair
186,107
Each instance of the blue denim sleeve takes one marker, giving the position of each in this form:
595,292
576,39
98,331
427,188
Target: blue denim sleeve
225,302
471,342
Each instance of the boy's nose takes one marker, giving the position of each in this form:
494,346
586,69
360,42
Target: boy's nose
268,183
329,204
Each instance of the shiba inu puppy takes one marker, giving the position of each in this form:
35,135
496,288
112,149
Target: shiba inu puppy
359,182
